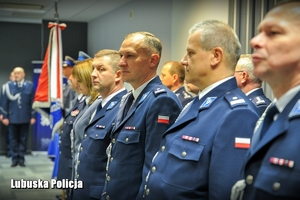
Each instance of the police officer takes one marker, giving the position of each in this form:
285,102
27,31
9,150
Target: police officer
5,128
202,152
82,55
250,84
68,93
144,114
93,159
172,76
64,170
272,165
18,114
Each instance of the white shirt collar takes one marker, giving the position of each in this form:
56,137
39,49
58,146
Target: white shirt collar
248,93
138,91
282,102
109,97
212,86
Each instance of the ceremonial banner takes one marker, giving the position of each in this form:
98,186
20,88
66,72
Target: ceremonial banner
41,129
48,100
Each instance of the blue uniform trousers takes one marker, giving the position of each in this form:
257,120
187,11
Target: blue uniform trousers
18,135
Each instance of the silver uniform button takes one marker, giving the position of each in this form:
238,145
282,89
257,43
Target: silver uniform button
276,186
107,197
183,154
249,179
126,139
81,148
108,178
147,192
153,169
111,159
163,148
96,135
84,135
113,140
71,122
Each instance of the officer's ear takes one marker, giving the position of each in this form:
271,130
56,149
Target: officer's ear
175,77
245,76
217,56
154,60
118,75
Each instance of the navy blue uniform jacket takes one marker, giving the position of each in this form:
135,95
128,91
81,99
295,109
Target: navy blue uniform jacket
260,100
183,96
199,156
19,111
136,138
271,180
93,159
65,158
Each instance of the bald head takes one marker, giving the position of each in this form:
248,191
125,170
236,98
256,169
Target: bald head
19,74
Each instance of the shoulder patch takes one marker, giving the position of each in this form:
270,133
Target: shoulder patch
158,90
111,105
235,99
144,97
208,101
296,110
259,101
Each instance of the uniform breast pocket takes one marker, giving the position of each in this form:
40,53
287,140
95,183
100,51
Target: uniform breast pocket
129,145
278,180
183,164
97,143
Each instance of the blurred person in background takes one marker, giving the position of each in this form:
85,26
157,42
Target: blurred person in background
250,84
5,128
18,114
172,76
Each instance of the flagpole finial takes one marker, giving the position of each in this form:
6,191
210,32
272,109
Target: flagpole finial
56,16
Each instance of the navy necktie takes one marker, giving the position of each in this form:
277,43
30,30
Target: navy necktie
99,107
128,105
270,113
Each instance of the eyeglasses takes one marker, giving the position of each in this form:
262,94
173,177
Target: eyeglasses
240,71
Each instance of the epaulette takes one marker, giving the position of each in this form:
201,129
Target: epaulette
234,99
296,110
259,101
157,90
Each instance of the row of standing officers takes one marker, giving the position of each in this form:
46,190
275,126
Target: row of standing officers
143,144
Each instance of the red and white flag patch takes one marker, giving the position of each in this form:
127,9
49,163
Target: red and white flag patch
163,119
242,143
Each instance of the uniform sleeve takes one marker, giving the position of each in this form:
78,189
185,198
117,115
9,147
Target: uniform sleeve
162,113
33,115
238,124
4,102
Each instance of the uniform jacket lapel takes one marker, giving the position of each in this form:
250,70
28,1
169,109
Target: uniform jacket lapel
141,98
196,106
279,127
